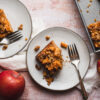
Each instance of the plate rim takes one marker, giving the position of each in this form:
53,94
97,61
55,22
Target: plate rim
30,72
30,33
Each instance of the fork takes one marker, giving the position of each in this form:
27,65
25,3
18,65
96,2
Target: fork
75,59
11,38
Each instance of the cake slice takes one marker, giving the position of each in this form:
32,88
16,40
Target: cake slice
5,26
51,60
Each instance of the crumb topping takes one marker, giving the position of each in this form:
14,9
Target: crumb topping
51,59
94,30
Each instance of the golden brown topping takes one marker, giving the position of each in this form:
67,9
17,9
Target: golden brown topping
47,38
46,61
52,49
64,45
36,48
5,47
94,30
20,27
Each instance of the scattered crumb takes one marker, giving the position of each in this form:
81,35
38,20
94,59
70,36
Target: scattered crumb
36,48
47,38
90,0
37,67
20,27
80,10
88,5
26,39
5,47
87,11
95,20
63,45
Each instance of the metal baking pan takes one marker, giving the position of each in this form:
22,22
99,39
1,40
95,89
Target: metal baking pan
89,14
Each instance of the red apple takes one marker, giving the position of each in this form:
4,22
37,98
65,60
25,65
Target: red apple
98,66
11,84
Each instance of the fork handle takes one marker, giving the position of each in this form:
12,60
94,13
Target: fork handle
84,93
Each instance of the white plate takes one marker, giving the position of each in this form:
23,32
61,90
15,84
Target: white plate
67,77
17,14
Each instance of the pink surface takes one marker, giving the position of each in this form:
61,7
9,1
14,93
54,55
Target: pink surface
49,13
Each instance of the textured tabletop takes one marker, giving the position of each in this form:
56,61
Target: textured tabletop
49,13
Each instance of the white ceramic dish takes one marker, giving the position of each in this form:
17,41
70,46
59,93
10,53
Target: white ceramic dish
17,14
67,77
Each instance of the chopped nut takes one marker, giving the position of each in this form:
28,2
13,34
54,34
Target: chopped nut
20,27
36,48
26,39
47,38
94,30
5,47
64,45
37,67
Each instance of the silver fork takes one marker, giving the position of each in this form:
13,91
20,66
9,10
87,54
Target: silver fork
11,38
75,59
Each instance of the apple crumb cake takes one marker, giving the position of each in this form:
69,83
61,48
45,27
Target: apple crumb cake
51,60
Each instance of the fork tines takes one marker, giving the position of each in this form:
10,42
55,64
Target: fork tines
73,52
15,36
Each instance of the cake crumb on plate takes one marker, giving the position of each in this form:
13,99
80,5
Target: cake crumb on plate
4,47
